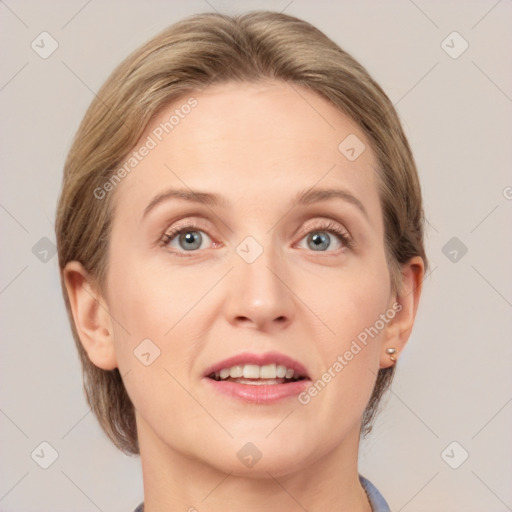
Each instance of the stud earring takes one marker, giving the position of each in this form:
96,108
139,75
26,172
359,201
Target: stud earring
391,351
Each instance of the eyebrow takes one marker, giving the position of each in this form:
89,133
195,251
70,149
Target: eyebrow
214,200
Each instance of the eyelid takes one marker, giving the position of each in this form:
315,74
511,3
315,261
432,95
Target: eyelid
326,224
322,222
187,224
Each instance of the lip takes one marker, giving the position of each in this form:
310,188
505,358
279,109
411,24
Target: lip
264,394
258,394
260,360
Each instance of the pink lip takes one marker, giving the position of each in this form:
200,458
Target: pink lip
260,360
263,394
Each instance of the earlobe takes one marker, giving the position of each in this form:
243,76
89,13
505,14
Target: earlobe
91,316
405,304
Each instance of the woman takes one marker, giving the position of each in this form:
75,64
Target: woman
240,236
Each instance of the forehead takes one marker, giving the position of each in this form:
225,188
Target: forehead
252,143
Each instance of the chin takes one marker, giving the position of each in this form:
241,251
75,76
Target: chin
261,457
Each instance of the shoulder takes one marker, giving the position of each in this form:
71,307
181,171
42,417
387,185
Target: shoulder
377,501
140,508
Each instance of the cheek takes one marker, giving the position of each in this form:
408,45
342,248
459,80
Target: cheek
138,306
149,340
352,300
354,306
158,304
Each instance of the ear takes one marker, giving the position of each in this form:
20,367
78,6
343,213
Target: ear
91,316
404,304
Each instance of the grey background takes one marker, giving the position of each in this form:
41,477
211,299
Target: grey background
454,381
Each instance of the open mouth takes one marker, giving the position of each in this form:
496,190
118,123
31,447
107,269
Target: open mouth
264,378
256,375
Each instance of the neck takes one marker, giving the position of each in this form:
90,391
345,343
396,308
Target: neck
174,481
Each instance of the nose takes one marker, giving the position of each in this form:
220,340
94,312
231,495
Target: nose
260,293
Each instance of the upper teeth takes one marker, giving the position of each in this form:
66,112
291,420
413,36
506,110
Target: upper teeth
253,371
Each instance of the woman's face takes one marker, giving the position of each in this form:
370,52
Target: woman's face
257,280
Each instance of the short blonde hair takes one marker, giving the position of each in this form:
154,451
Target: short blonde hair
188,56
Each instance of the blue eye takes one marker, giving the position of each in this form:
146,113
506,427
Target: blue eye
321,239
190,238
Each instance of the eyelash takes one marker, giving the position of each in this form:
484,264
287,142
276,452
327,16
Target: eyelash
329,227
